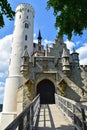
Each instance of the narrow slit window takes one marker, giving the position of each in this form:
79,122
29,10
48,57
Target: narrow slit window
25,37
26,25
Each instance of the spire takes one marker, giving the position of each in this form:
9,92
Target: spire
39,37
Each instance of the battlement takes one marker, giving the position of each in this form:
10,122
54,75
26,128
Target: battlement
24,7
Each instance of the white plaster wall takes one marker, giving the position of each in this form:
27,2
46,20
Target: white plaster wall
19,41
6,119
10,96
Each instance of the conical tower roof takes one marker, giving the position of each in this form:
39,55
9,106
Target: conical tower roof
39,35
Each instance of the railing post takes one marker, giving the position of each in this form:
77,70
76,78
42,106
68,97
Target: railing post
21,125
28,115
31,117
83,119
73,111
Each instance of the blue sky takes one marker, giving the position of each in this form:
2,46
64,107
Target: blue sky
44,20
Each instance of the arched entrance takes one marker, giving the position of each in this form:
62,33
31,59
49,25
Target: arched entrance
46,89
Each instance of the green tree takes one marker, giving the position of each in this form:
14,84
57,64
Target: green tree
71,16
5,9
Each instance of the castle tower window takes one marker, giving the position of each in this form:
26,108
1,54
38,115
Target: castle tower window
26,25
28,10
19,16
34,45
27,17
25,37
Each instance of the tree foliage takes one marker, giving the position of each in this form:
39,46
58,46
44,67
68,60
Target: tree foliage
5,9
71,16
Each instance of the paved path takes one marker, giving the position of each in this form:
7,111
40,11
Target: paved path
51,118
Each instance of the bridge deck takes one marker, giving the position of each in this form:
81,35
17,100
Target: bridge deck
51,118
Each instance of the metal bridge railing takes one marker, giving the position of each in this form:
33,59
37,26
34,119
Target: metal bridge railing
27,118
73,111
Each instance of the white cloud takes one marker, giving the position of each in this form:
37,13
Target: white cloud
3,74
83,54
44,42
2,84
81,50
83,61
1,89
35,41
5,47
34,35
1,98
47,42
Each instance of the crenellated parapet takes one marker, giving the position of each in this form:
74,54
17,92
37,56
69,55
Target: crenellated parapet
25,8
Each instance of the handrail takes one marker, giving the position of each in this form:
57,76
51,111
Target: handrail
74,111
27,118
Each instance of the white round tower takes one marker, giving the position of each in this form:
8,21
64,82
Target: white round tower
22,36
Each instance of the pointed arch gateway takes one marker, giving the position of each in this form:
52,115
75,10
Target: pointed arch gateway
46,89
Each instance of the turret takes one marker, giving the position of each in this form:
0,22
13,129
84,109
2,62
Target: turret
22,37
75,58
65,62
39,38
25,62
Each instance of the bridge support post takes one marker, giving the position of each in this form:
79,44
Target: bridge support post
28,115
31,117
21,125
83,119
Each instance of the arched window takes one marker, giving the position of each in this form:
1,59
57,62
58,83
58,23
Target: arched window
28,10
19,16
25,37
26,25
